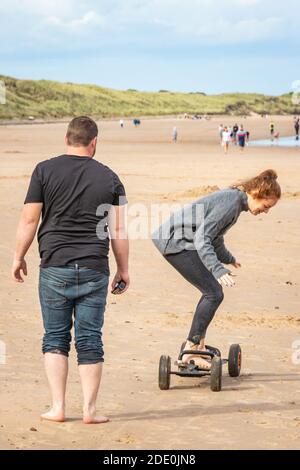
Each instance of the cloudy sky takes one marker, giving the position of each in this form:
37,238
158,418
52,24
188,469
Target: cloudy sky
182,45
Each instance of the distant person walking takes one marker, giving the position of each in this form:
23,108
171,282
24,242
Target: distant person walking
221,129
297,126
241,137
226,138
234,133
276,137
79,199
121,123
272,130
174,134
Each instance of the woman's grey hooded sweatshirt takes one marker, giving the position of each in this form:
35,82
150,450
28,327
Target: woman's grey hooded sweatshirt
200,226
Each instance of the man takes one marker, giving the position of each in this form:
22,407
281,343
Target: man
82,203
174,134
241,137
297,127
221,129
272,130
234,133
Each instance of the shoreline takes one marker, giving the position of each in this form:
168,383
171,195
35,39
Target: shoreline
204,118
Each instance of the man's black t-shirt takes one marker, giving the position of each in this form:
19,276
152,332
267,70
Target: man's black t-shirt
76,193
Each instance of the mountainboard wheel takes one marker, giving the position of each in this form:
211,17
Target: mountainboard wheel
164,372
216,374
234,360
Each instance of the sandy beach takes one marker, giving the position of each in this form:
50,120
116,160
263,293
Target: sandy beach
258,410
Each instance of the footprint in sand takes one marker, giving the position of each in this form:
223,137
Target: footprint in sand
126,439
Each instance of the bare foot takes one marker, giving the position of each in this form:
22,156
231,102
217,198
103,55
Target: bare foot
206,360
53,415
90,418
198,360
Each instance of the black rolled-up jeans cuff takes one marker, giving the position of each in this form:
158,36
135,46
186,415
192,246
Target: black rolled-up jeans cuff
90,356
83,362
56,351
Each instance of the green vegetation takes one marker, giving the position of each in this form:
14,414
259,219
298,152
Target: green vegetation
49,99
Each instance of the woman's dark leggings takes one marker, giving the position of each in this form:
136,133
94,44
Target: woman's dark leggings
189,265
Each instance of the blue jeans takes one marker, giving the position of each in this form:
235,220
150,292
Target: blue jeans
69,290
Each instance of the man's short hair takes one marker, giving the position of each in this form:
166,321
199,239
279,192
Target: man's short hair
81,131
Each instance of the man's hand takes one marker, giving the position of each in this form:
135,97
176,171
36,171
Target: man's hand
227,280
120,245
17,267
120,277
25,234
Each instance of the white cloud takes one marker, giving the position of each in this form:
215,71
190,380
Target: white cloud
229,32
37,7
196,22
88,19
212,21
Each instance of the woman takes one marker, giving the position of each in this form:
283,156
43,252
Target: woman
192,242
226,139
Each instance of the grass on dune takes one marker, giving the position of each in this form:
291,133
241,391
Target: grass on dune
50,99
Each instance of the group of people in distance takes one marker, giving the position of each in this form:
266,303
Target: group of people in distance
274,136
135,122
235,134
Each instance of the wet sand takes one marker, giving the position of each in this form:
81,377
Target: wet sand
260,409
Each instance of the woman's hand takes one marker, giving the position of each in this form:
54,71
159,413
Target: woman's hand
227,280
236,264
